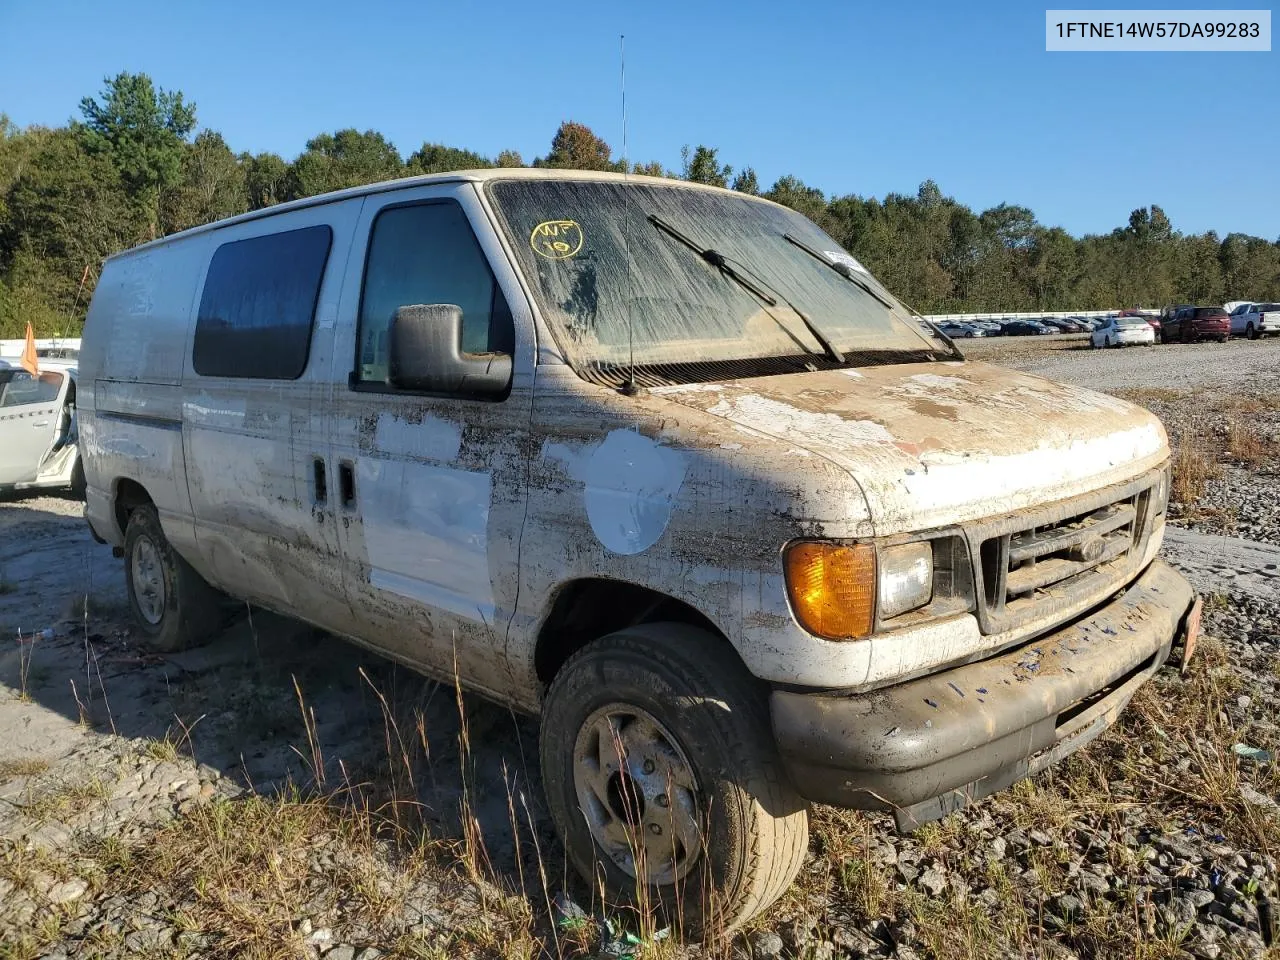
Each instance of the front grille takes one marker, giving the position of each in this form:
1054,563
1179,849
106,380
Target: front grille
1062,556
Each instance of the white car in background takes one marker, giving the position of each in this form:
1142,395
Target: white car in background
1122,332
38,435
1254,320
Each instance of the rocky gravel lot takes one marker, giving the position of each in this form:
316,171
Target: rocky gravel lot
281,794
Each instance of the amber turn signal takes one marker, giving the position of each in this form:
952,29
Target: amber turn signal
832,588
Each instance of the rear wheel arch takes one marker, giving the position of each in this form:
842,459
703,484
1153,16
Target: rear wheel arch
128,495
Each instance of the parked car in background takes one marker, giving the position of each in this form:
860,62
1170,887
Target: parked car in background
1064,325
1190,324
1123,331
1023,328
1254,320
958,331
1166,315
38,428
1150,316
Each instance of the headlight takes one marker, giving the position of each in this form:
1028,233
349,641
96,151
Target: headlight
832,588
906,578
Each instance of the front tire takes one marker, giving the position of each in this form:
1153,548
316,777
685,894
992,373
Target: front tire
663,779
172,605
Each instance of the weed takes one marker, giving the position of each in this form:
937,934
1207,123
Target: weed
1193,467
23,767
1246,443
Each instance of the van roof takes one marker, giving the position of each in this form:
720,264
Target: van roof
385,186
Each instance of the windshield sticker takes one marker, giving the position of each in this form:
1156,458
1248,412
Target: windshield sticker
556,239
839,256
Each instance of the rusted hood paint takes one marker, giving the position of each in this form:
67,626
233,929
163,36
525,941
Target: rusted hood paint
935,444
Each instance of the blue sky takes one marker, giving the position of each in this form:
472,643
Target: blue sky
851,97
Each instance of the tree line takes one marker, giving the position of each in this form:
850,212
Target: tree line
131,168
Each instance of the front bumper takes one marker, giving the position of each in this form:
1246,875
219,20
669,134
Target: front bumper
928,747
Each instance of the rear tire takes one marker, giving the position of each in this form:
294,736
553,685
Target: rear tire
1251,332
173,607
686,691
78,483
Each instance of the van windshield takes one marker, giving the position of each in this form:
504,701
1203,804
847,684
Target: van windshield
686,276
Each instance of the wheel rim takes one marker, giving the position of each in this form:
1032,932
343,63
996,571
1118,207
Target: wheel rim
148,580
638,794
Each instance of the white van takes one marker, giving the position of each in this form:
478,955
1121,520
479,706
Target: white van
658,461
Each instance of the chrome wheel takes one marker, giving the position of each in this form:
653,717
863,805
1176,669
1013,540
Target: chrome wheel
638,794
148,580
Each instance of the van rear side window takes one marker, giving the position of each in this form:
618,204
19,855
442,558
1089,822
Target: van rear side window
258,305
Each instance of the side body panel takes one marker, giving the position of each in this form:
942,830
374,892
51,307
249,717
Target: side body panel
431,535
258,454
130,394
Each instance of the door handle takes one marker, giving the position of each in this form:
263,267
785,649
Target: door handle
347,484
319,480
40,423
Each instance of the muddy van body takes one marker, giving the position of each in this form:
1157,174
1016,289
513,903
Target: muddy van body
659,462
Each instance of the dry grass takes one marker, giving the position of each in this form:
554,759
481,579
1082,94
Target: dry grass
1194,466
1246,443
22,767
66,800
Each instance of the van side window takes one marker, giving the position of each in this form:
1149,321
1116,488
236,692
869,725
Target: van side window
427,253
18,387
258,305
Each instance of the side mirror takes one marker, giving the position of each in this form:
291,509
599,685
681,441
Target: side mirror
426,354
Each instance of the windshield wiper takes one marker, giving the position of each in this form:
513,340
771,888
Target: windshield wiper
839,267
725,266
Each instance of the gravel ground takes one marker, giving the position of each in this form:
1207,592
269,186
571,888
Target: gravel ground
1235,365
148,804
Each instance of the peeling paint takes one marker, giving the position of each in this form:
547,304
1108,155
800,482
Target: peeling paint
425,530
630,487
432,437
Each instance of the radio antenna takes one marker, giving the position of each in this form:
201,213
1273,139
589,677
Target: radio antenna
629,388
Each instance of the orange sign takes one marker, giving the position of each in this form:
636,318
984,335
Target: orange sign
30,362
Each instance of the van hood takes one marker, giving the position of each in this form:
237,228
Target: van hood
942,443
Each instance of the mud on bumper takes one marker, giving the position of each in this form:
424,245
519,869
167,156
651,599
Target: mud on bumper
925,748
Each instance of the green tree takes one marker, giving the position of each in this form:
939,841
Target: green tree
746,182
576,147
704,167
347,158
509,158
796,194
268,179
212,187
142,129
437,158
652,169
67,210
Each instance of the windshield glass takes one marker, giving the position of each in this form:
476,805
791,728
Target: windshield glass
597,262
1131,322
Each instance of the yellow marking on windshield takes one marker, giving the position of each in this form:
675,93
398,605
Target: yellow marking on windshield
556,239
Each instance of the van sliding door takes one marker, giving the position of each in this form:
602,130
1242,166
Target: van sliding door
256,399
